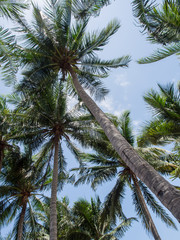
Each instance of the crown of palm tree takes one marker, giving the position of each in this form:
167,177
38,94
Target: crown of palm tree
55,43
20,185
165,127
161,24
40,119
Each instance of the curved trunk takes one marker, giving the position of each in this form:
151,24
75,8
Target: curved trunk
164,191
53,209
145,209
21,221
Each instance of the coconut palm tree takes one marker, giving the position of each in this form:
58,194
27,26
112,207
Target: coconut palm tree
107,165
162,25
20,183
55,45
46,122
165,126
88,221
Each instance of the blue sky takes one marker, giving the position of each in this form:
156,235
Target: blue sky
127,87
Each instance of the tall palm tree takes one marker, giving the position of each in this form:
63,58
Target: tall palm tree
107,165
55,45
20,183
165,125
46,122
162,25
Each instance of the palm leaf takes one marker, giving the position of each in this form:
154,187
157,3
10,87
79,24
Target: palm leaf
83,9
160,54
120,230
9,7
156,207
8,53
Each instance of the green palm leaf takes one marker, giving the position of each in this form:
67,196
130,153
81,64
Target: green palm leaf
161,54
9,7
161,24
156,207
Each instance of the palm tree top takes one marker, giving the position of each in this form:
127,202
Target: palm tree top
55,43
165,125
21,181
161,22
88,221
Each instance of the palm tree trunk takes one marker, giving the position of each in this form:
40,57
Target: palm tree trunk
164,191
145,209
53,208
21,221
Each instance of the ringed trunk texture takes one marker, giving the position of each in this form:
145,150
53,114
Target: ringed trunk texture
164,191
21,221
53,208
145,209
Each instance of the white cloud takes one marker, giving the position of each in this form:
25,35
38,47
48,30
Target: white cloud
71,102
118,111
121,80
107,104
136,122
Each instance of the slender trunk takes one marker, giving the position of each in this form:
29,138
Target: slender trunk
21,221
145,209
164,191
53,209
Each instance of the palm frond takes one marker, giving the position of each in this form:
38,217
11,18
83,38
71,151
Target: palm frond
8,53
158,132
92,83
141,9
162,53
125,127
120,230
95,41
83,9
112,204
160,212
95,175
102,66
9,7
